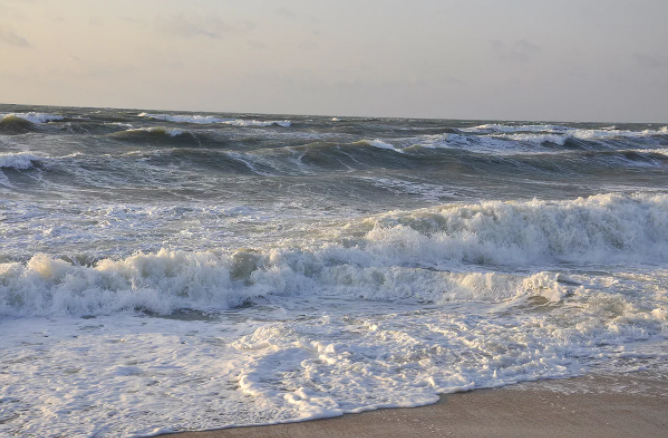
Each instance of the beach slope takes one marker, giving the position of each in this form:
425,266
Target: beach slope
629,405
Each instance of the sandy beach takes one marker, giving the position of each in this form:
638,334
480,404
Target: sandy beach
616,405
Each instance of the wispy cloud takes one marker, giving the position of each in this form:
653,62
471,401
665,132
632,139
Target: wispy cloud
209,27
285,13
518,51
650,61
8,36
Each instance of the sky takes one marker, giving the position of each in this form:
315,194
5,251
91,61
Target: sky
561,60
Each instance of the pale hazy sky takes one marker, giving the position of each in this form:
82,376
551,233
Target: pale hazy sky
585,60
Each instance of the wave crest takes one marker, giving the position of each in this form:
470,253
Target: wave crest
206,120
412,254
33,117
18,160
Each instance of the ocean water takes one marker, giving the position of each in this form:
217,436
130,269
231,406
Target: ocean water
165,271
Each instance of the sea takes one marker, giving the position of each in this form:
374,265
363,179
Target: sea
166,271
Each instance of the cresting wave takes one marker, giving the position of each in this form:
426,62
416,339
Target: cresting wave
205,120
157,130
18,160
612,130
21,123
425,254
379,144
32,117
561,138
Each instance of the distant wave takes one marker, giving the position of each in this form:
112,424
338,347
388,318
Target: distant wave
558,133
22,123
203,120
493,127
156,130
523,139
33,117
379,144
155,134
582,134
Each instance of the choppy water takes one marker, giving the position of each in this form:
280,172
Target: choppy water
169,271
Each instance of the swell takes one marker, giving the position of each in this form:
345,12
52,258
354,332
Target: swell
157,134
426,254
176,155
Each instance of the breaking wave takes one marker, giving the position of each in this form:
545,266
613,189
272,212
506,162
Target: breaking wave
379,144
425,254
494,128
205,120
18,161
581,134
33,117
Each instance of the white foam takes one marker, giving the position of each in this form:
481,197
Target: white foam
296,359
34,117
195,119
596,134
659,151
170,132
560,138
379,144
384,311
487,128
559,134
122,125
240,122
602,229
18,160
432,192
486,144
199,119
536,138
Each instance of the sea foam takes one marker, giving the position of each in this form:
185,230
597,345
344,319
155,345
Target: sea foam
204,120
18,160
400,255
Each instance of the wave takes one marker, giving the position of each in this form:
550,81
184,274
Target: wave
581,134
205,120
492,127
378,144
155,134
18,160
33,117
535,142
156,130
23,123
423,254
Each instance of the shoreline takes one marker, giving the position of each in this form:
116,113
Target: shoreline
594,405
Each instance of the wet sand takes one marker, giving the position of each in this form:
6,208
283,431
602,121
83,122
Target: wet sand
627,405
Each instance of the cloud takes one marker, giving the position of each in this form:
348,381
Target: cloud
650,61
519,51
8,36
285,13
96,21
257,45
209,27
155,56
